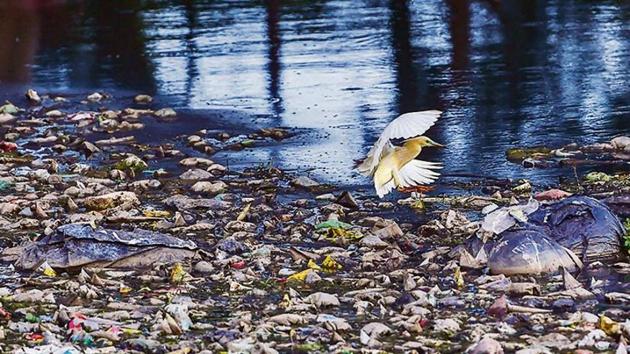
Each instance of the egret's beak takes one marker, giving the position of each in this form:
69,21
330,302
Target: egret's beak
433,143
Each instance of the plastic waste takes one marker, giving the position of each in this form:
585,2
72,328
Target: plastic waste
502,219
584,225
79,245
530,251
536,238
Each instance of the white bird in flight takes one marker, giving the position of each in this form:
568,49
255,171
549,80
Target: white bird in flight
395,166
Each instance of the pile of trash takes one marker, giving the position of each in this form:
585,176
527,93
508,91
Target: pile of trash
534,238
111,245
76,246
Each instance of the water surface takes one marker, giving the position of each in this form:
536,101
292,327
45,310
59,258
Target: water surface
504,72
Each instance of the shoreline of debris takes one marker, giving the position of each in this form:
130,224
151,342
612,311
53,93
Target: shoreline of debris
123,246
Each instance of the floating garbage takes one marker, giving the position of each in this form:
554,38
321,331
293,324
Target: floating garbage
79,245
615,152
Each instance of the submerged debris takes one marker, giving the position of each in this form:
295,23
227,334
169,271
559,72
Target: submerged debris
613,153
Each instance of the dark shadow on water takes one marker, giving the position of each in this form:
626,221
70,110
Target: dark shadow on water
20,32
120,49
274,64
81,44
192,23
407,79
459,29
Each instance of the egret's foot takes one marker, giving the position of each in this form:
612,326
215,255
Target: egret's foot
416,189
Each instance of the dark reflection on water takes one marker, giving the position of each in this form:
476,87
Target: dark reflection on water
505,72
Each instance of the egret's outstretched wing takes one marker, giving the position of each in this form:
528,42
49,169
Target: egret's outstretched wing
406,126
414,173
368,166
418,172
385,189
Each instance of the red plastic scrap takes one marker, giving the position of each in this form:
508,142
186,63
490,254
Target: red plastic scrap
35,337
76,323
4,313
6,146
238,265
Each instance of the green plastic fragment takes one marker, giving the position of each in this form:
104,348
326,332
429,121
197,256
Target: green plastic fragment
333,224
248,143
598,177
9,108
31,318
309,347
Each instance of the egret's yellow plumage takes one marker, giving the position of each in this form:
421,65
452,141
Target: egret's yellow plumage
396,167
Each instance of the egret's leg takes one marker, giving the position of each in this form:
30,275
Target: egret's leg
417,189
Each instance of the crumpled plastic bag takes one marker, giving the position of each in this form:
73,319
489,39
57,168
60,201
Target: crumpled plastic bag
502,219
180,314
530,251
79,245
584,225
50,349
562,234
